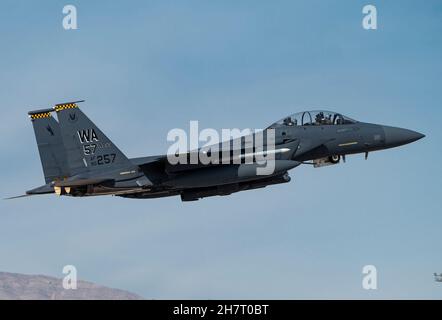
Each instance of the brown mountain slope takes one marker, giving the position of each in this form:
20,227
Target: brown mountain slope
36,287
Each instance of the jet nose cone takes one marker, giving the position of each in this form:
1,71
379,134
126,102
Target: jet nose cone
397,136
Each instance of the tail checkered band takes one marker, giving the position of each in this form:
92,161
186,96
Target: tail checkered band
40,115
61,107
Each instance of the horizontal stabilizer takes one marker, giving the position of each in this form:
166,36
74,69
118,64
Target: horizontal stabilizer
16,197
45,189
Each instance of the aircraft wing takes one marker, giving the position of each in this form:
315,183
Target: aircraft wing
160,163
146,160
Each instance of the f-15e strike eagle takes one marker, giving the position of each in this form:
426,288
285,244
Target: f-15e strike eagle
79,160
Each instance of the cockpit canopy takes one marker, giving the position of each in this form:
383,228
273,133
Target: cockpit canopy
317,117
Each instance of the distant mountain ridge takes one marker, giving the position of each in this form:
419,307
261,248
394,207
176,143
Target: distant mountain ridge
15,286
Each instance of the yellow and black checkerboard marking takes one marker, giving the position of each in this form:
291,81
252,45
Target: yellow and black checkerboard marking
41,115
60,107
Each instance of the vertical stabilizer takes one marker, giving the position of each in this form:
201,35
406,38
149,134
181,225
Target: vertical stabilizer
50,145
88,149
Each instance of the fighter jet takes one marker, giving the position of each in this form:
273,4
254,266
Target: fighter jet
79,160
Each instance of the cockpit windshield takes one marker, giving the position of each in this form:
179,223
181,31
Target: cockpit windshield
311,118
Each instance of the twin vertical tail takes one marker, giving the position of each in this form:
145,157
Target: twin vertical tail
88,149
73,146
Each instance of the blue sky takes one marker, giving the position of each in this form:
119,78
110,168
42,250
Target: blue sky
145,67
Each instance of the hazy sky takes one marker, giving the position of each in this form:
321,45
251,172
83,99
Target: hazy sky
146,67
